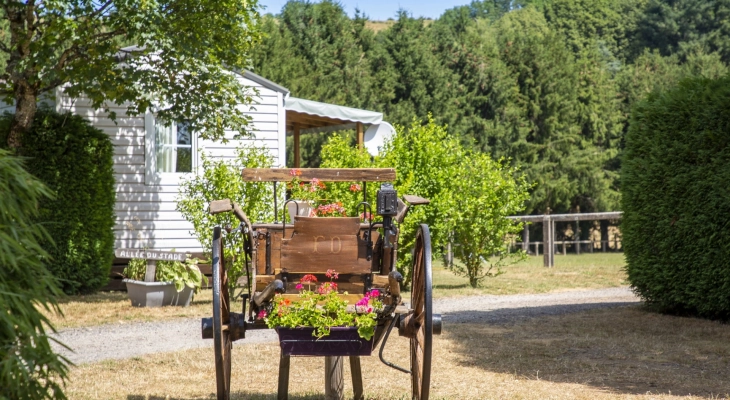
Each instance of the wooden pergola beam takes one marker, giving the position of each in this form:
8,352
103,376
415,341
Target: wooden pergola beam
323,174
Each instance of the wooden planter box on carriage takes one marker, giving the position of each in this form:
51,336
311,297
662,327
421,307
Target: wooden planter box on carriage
149,293
364,255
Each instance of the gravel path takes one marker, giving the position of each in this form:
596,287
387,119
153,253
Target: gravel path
115,341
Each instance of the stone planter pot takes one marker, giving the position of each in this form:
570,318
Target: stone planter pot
342,341
304,209
157,294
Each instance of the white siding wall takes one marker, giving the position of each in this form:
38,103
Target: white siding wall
146,215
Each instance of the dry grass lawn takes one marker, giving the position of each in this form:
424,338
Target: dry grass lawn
571,272
620,353
115,308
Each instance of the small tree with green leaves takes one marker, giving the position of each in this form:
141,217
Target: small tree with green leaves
484,193
221,179
425,157
28,367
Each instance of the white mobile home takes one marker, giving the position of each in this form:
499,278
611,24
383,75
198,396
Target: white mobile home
151,159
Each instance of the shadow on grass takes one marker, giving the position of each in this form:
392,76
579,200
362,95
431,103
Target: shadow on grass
114,297
234,396
96,298
616,347
462,286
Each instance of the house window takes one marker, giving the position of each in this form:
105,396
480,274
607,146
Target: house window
173,147
170,151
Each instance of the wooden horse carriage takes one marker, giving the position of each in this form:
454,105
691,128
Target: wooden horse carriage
364,255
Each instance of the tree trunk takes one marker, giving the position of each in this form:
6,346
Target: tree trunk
25,109
21,18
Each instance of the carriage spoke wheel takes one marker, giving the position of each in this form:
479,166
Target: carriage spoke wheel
422,313
221,337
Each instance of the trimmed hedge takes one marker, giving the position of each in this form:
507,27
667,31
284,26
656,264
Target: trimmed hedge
676,199
74,160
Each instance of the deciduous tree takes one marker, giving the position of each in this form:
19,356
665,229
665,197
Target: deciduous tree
180,64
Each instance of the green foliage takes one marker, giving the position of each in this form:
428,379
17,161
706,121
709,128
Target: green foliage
136,269
74,160
683,27
484,195
426,159
323,309
221,179
675,199
468,192
28,367
547,84
180,273
339,153
180,67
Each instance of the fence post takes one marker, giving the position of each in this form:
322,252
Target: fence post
577,237
547,240
526,238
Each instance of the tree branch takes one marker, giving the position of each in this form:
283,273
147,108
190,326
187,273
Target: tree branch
100,10
75,51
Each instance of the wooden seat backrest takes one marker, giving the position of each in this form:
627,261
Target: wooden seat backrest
318,244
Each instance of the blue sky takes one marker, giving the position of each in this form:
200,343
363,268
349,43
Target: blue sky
383,9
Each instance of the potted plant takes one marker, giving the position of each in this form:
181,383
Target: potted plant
318,322
175,282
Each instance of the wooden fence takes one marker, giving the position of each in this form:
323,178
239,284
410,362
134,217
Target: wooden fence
548,232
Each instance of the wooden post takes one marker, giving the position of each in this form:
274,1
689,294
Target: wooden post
577,237
356,373
604,235
547,240
149,275
333,379
297,151
526,238
537,248
360,136
283,390
552,243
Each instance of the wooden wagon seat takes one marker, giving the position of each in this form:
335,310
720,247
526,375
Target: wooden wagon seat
319,244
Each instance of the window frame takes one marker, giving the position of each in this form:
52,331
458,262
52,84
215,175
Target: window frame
151,176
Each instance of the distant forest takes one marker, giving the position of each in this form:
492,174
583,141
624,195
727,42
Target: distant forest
549,84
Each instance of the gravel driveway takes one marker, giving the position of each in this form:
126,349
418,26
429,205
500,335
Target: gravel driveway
103,342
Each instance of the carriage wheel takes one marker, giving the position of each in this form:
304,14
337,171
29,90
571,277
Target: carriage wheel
221,337
423,314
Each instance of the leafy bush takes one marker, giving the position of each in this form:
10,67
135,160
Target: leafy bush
675,198
485,194
28,367
221,179
469,192
74,160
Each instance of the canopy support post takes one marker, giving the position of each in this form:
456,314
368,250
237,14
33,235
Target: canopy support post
360,136
297,157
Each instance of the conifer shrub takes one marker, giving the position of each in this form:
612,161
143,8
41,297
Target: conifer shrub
74,160
28,367
676,201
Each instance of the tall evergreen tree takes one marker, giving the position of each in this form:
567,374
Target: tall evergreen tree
685,26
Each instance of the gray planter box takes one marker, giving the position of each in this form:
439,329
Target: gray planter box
157,294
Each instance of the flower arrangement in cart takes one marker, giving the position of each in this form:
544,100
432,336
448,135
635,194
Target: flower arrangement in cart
316,193
318,306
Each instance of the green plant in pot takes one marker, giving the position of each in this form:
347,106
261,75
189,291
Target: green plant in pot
175,282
